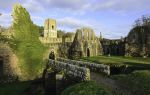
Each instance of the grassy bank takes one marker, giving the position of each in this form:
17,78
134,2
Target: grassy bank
134,63
118,60
86,88
137,82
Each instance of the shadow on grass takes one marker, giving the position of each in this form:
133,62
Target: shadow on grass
15,88
31,87
128,67
138,66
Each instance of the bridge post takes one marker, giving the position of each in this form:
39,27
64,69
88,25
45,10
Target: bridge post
50,84
50,78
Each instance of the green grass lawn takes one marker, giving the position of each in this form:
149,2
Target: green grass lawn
13,88
137,82
86,88
119,60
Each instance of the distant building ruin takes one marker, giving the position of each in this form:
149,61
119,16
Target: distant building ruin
85,44
62,47
113,47
138,42
50,38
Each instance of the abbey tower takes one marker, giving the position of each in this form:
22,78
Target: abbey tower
50,28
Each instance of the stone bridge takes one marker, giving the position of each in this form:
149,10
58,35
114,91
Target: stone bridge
78,69
94,67
87,71
70,69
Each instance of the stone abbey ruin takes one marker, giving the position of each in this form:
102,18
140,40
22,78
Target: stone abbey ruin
52,60
85,43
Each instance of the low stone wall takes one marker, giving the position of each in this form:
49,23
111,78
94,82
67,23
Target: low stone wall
92,66
71,70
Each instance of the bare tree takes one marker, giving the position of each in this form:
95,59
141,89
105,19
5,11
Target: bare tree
138,22
143,21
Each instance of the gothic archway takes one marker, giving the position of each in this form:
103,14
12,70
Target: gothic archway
88,52
53,27
108,51
52,55
118,51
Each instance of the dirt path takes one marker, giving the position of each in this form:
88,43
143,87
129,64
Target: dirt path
109,83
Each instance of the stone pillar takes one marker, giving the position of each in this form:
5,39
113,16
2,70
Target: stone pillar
50,84
88,35
93,36
85,35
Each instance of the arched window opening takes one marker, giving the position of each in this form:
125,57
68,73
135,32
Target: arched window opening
88,52
53,27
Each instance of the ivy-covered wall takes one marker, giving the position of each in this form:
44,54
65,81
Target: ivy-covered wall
138,41
26,44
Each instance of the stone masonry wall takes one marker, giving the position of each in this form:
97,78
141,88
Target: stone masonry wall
71,70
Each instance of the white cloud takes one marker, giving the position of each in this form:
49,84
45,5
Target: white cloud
73,22
4,4
33,6
123,5
85,6
40,9
5,19
81,6
72,5
36,17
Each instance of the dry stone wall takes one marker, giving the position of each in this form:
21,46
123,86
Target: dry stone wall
71,70
92,66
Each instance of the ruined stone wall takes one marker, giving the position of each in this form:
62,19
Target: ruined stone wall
71,70
10,61
85,44
113,47
50,28
105,69
69,39
60,46
138,41
50,40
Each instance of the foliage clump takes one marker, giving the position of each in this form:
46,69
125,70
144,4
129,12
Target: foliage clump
26,43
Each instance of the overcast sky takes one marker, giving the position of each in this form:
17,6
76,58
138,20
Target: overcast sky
113,18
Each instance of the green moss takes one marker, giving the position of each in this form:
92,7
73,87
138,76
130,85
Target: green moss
86,88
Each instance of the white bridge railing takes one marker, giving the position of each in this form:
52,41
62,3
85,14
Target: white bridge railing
92,66
71,70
